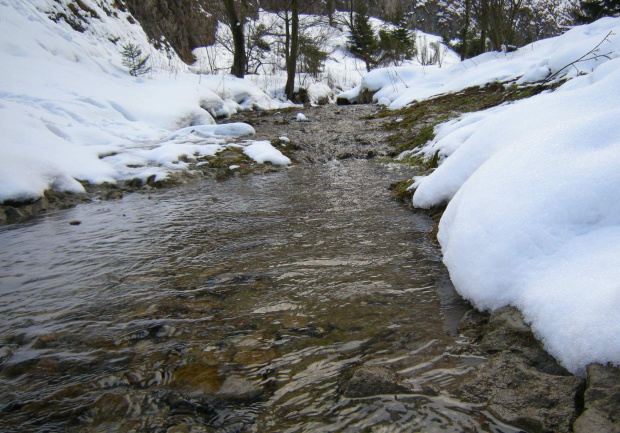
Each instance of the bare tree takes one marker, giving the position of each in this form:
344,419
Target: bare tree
291,60
236,15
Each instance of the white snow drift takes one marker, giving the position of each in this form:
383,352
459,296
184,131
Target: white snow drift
533,187
69,110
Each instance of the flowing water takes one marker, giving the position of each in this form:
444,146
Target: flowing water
236,306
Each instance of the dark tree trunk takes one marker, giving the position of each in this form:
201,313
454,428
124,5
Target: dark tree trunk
465,35
236,27
292,59
330,8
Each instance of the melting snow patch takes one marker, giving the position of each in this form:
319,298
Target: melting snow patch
263,151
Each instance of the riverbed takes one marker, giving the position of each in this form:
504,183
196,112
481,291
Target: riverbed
232,306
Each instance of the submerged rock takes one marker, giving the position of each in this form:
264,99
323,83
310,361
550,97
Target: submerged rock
520,383
238,388
371,380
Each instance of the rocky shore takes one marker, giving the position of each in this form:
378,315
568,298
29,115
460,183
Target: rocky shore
519,383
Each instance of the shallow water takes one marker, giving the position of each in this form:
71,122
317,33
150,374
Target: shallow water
234,307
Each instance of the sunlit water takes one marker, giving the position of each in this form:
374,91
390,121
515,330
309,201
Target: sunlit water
233,306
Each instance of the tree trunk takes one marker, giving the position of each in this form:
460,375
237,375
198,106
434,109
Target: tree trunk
236,27
292,61
331,8
465,35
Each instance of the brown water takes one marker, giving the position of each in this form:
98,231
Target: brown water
233,307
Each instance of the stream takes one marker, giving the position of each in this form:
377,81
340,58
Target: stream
235,306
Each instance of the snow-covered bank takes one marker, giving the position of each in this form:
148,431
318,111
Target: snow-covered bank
532,63
69,110
533,218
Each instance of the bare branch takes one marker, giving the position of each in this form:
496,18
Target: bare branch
583,58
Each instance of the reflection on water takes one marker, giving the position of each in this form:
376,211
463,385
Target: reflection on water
235,306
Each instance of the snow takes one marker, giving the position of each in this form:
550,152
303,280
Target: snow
341,71
533,218
263,151
70,112
534,62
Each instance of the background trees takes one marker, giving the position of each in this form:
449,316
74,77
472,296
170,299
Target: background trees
591,10
388,46
289,43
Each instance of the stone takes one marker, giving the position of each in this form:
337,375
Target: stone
520,395
365,97
113,194
371,380
602,401
238,388
13,214
506,330
520,383
473,324
342,101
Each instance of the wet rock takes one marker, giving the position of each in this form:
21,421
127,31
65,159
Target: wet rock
520,383
473,324
134,183
114,194
13,214
519,395
371,380
342,101
75,223
430,390
365,97
238,388
602,401
506,330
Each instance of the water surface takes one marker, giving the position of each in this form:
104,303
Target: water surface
236,307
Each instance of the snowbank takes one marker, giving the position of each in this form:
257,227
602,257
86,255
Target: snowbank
534,214
67,104
531,63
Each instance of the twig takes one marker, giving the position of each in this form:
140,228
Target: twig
583,58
